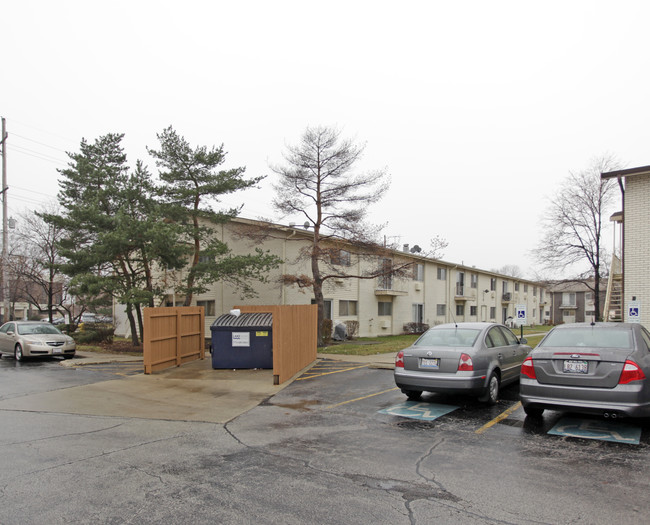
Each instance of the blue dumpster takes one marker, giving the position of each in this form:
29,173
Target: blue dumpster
244,341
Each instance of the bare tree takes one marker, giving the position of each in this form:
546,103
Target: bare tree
317,182
510,269
574,225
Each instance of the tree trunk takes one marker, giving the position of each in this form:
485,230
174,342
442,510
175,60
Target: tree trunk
134,333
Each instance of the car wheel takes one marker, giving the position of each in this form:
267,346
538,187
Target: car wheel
18,353
413,395
533,411
491,394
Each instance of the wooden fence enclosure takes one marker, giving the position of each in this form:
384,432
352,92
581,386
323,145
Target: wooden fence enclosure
172,336
176,335
295,337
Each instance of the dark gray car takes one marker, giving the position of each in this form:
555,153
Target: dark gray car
472,358
599,368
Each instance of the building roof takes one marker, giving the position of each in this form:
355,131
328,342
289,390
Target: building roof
576,286
643,170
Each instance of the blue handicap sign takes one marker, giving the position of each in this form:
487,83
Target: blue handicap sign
597,429
634,312
419,410
521,314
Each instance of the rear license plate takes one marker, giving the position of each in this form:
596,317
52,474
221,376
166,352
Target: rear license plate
429,363
576,367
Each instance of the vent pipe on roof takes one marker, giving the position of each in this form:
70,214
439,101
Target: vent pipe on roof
405,248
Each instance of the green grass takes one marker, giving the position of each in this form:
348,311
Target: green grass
371,345
395,343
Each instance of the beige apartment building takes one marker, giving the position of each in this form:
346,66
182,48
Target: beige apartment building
434,291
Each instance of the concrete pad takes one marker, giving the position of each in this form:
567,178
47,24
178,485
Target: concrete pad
193,392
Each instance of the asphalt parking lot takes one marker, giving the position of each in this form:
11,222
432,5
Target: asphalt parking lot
338,445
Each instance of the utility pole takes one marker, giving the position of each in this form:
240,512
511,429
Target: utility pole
5,226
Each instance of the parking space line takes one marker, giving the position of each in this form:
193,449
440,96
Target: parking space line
362,398
500,417
333,372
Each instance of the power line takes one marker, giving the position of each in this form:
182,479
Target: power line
36,154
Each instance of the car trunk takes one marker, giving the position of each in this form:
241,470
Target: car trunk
599,368
432,359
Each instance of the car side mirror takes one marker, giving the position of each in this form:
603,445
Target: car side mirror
523,341
10,332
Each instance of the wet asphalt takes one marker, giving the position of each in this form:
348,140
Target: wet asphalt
324,449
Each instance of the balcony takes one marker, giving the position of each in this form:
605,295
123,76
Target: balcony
462,293
506,297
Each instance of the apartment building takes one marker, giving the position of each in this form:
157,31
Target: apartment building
574,302
633,268
433,292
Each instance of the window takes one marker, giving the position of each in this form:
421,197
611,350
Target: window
460,283
347,308
460,309
208,307
516,287
441,309
534,291
384,308
568,313
442,274
525,288
510,337
474,280
495,338
493,312
341,257
205,259
493,284
568,299
418,313
386,280
504,286
418,272
589,297
472,310
327,305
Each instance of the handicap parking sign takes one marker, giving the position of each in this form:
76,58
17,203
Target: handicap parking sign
633,312
520,310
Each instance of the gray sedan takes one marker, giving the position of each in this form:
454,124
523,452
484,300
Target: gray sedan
32,338
599,368
473,358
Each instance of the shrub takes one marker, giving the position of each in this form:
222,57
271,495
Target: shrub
94,333
353,328
415,328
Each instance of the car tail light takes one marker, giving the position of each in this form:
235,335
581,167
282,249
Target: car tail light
527,368
399,359
465,364
631,372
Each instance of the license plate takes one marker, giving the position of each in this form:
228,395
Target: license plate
576,367
57,351
429,363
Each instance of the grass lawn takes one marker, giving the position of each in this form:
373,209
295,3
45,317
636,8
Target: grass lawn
395,343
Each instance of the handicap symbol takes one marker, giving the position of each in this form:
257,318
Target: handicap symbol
600,430
634,312
521,314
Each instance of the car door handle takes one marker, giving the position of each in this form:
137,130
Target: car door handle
500,355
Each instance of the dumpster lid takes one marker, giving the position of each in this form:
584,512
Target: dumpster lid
243,320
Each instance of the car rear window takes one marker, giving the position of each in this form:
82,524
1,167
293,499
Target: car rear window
448,337
588,337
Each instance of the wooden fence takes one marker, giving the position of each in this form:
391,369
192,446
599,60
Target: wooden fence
172,336
295,337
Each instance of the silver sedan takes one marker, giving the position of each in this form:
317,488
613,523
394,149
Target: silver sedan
599,368
473,358
31,338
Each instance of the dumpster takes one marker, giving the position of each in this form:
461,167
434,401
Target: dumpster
243,341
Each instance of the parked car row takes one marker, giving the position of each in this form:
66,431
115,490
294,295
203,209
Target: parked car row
598,368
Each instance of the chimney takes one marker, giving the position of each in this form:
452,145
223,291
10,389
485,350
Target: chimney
405,248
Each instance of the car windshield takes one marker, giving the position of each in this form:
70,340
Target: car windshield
588,337
37,328
448,337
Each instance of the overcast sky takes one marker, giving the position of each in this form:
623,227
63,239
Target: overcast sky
477,109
